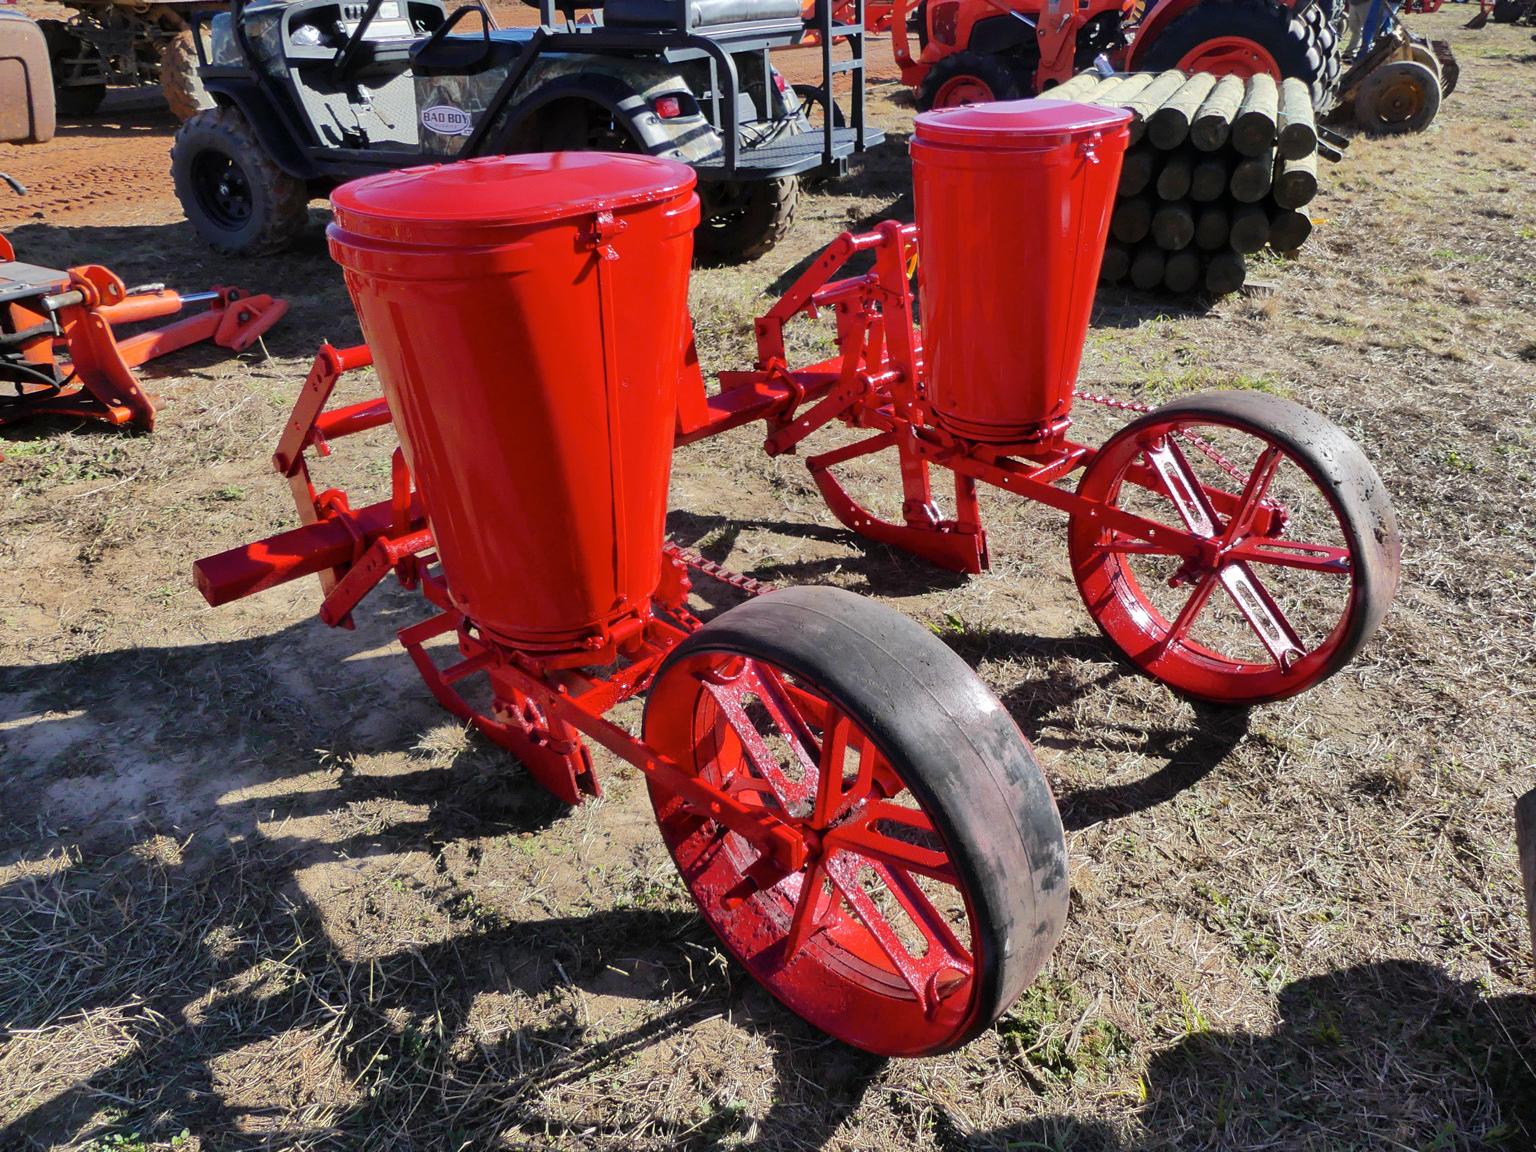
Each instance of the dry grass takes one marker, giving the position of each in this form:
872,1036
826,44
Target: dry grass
258,891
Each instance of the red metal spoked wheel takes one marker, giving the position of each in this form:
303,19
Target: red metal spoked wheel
1235,546
935,882
1230,56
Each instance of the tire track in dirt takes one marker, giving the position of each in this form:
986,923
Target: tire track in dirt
114,169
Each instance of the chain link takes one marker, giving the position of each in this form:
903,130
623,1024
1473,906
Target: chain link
715,571
1204,445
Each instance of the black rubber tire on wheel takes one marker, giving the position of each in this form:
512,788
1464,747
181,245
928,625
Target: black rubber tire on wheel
236,197
75,100
183,87
1507,11
742,221
1303,44
970,78
952,743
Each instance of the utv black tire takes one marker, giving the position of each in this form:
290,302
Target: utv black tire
236,197
183,87
76,100
968,78
1507,11
1304,44
743,221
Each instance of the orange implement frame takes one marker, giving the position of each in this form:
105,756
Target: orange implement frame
59,350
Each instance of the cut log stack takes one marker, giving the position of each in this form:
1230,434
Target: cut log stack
1219,167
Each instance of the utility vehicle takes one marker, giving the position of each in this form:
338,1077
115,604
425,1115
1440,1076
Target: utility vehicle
313,93
126,42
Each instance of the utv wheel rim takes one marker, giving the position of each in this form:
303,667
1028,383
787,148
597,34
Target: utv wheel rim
223,189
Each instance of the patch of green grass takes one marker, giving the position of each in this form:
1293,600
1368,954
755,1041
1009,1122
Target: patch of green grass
134,1142
1052,1030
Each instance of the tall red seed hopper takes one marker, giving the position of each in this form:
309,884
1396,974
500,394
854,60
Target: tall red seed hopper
524,318
1013,205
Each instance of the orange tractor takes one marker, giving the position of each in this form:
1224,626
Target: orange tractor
971,51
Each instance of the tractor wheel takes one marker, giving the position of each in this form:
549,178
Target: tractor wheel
934,882
66,51
1245,37
967,78
1507,11
1261,551
183,87
1403,96
236,197
743,220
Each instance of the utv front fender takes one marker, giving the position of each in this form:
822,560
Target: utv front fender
274,128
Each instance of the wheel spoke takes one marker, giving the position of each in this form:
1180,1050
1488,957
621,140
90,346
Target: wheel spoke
920,973
929,920
1183,487
1192,608
1294,554
802,925
1254,491
1119,543
760,757
830,797
1263,614
860,836
776,698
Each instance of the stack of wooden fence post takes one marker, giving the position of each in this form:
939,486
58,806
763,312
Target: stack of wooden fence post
1218,168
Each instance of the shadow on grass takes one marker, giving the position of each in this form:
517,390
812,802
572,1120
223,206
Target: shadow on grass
1393,1054
203,992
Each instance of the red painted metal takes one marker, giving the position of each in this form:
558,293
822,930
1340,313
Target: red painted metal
560,353
951,25
882,362
1001,418
1231,56
64,357
598,248
1002,360
819,939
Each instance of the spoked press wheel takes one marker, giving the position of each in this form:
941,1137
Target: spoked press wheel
1245,549
935,882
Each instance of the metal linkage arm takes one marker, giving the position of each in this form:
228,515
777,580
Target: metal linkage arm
351,551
